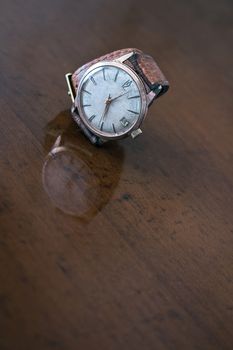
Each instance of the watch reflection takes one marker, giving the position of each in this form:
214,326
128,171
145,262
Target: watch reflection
78,177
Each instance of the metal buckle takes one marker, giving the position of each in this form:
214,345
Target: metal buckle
71,91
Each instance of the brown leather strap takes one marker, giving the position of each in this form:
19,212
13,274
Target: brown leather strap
152,76
143,64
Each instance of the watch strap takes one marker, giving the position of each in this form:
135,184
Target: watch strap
96,140
152,76
144,65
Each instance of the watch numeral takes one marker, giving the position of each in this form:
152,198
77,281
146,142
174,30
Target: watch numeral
93,81
101,126
124,122
86,105
127,83
104,74
92,117
113,126
87,91
134,112
133,97
115,79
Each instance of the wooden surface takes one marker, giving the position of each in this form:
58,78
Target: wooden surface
129,246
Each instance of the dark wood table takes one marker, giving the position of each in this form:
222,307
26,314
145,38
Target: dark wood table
129,246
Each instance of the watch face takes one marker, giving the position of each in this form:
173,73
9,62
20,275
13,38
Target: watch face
111,99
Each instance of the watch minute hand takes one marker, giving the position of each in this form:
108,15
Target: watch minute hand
115,98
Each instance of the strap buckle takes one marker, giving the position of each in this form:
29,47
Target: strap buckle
71,91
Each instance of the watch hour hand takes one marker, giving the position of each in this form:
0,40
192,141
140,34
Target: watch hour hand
106,108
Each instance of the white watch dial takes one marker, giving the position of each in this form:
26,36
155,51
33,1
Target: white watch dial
110,100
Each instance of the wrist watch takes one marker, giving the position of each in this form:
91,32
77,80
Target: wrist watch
111,94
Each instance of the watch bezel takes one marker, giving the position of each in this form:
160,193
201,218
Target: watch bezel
142,91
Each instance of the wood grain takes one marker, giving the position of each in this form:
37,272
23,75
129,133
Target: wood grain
143,259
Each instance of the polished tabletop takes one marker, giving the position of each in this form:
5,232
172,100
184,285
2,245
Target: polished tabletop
129,245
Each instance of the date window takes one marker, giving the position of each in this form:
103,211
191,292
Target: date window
124,122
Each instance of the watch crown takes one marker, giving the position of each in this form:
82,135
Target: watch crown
136,133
